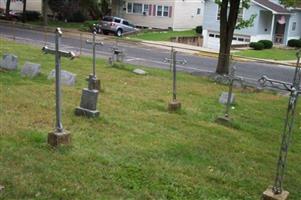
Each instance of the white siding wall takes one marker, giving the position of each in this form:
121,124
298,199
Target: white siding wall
186,16
34,5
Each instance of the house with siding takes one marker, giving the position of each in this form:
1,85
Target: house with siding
273,22
17,5
172,14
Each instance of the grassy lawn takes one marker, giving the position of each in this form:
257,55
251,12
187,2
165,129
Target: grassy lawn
162,36
272,54
78,26
136,149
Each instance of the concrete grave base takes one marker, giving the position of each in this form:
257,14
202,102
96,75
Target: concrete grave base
174,106
269,195
223,120
87,113
58,138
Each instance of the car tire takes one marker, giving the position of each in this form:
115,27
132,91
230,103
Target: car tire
119,32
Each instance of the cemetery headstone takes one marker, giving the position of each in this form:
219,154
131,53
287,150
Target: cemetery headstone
139,72
224,98
174,105
117,54
276,192
88,104
9,62
59,136
67,78
31,70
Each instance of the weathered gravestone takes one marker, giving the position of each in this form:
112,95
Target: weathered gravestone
224,98
67,78
31,70
139,72
9,62
88,104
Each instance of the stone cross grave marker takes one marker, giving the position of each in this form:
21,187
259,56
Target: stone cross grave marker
228,98
93,82
276,191
31,70
174,105
9,62
59,136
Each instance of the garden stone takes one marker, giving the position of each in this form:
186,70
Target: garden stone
67,78
140,72
9,62
224,98
31,70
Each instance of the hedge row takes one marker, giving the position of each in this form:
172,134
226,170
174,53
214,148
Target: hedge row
262,44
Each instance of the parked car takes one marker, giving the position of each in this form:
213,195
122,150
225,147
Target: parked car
116,25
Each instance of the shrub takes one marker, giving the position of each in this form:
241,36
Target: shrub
257,45
77,16
294,43
199,29
31,15
268,44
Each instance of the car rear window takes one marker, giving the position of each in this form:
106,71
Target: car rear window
117,20
107,19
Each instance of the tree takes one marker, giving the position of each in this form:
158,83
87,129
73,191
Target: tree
229,10
290,3
45,12
24,11
7,8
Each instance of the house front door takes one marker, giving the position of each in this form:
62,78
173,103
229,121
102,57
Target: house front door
280,30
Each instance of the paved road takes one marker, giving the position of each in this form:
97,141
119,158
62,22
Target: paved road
148,56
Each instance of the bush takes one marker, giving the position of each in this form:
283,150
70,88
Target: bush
268,44
77,16
294,43
31,15
257,45
199,29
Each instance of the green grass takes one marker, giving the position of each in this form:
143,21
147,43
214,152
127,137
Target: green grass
272,54
162,36
136,149
69,25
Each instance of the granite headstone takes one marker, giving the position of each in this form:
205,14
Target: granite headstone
31,70
67,78
224,98
9,62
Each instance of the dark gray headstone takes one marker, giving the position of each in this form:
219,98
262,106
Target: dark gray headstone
31,70
67,78
224,98
9,62
88,104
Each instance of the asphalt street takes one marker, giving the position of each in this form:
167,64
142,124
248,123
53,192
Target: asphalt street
149,56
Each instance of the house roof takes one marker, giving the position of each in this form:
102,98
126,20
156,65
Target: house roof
272,6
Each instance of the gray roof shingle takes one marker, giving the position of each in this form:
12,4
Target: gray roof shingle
273,6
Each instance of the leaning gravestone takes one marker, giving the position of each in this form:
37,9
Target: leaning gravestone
67,78
31,70
224,98
9,62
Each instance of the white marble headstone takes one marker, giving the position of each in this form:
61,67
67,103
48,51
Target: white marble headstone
67,78
31,70
9,62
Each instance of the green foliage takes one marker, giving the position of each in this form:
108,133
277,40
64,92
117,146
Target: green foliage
271,54
104,7
294,43
77,16
268,44
57,6
257,45
246,23
290,3
31,15
199,29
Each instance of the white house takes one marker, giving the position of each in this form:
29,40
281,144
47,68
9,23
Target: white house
173,14
17,5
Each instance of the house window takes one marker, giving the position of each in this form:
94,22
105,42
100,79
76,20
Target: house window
218,12
145,9
130,7
240,14
166,11
294,26
137,8
159,11
198,11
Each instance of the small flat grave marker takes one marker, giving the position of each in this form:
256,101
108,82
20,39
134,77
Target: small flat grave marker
9,62
67,78
139,72
31,70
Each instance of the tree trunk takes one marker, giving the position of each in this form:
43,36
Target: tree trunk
24,11
227,26
7,8
45,11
